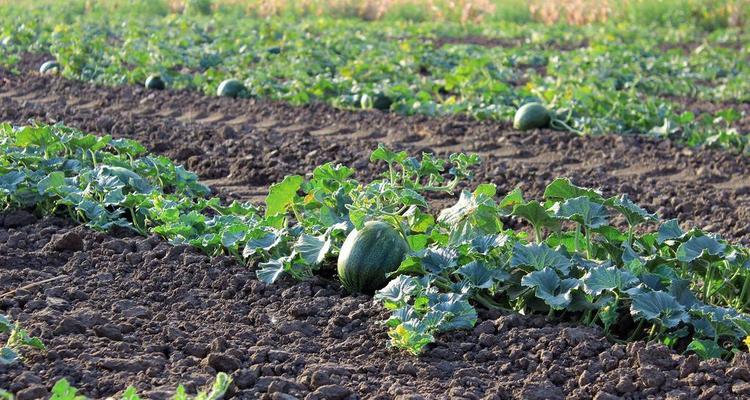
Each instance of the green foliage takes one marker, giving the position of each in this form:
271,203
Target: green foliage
636,79
62,390
672,283
18,338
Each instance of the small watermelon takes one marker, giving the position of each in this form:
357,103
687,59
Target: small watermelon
368,255
531,116
155,82
50,67
230,88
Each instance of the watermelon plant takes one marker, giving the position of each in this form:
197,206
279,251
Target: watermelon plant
644,278
611,78
62,390
17,339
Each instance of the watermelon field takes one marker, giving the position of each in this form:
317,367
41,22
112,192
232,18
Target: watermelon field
377,199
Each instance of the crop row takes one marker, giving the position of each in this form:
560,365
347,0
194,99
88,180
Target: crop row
62,390
641,279
607,78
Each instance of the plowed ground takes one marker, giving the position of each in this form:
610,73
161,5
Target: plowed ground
127,309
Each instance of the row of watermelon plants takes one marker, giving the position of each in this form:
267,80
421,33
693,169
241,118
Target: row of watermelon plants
642,279
62,390
19,339
610,78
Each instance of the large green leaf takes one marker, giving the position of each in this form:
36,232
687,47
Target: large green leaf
437,260
510,200
282,194
706,247
659,307
538,257
40,136
471,216
601,278
261,240
460,314
547,285
669,230
10,181
563,189
634,214
487,243
481,277
382,153
583,211
398,292
271,270
705,349
536,214
680,289
313,249
7,356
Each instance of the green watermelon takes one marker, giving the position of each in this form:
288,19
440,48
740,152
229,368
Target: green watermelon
368,255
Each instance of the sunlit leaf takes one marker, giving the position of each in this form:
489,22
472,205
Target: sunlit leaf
659,307
699,247
599,279
538,257
563,189
547,285
583,211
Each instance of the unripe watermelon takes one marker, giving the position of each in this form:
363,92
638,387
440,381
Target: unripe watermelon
50,67
531,116
155,82
368,255
230,88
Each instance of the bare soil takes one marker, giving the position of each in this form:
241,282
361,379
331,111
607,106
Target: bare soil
133,310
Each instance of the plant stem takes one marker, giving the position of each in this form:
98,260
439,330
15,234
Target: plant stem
630,235
587,233
707,282
743,293
489,303
636,331
297,215
538,234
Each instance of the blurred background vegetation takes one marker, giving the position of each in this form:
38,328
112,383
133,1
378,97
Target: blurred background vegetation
706,14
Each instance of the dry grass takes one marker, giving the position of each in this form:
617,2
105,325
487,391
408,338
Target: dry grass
711,13
577,12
